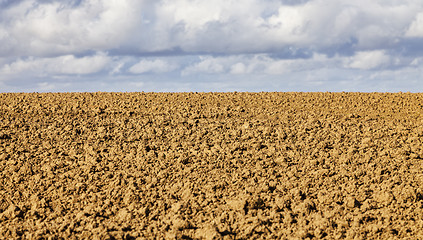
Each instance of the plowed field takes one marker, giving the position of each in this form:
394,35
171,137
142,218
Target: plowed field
211,165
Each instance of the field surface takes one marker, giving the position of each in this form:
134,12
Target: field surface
211,166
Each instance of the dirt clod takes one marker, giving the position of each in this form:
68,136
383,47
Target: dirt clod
211,165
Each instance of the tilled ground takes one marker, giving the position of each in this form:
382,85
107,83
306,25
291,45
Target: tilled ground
211,165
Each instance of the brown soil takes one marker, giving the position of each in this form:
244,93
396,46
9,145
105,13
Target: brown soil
211,165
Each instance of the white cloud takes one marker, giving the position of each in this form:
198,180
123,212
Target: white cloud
228,27
416,62
416,27
289,24
67,64
259,64
154,66
205,39
238,68
368,60
208,65
57,27
259,72
52,28
117,68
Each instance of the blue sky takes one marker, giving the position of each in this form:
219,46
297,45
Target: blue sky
217,45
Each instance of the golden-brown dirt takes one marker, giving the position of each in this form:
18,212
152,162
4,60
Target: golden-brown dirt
211,165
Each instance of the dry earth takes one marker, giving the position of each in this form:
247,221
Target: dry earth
211,166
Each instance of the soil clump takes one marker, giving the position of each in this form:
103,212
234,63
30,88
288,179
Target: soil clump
211,165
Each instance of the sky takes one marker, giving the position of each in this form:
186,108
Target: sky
216,45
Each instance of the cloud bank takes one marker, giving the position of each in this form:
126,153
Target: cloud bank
224,45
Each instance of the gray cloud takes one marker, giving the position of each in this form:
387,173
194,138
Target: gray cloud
61,27
142,42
